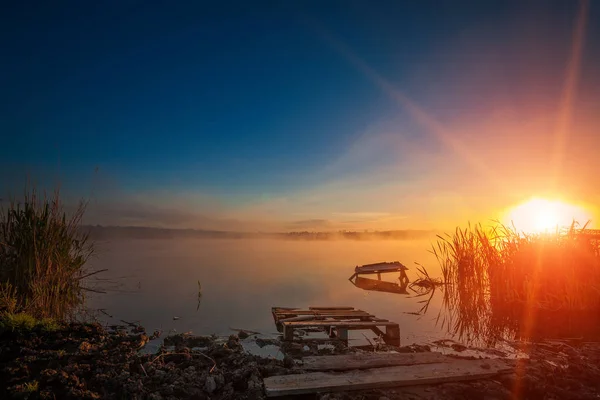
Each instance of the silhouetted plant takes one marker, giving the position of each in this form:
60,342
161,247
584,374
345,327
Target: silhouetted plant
502,282
42,256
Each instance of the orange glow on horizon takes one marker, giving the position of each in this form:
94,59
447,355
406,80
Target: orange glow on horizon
540,215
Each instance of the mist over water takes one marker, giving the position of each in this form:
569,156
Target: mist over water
152,281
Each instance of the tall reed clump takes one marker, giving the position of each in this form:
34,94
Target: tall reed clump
502,282
42,256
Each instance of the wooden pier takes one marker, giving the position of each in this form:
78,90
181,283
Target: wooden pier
335,321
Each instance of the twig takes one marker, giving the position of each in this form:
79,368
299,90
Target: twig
93,290
103,311
211,359
369,341
93,273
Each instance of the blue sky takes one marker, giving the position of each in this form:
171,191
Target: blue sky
321,114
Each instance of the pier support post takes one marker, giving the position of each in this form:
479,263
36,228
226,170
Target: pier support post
392,335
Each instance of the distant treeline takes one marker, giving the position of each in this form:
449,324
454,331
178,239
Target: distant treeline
98,232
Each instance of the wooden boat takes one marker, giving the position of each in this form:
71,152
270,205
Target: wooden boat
382,267
394,266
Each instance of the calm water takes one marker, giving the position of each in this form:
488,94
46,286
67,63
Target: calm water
152,281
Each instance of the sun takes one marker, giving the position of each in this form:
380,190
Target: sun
545,216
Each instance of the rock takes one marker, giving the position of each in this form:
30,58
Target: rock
228,390
154,396
210,385
288,361
233,342
196,394
243,335
85,347
458,347
254,383
168,390
240,383
265,342
328,396
219,379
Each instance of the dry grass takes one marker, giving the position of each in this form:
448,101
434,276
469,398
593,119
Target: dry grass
502,282
42,257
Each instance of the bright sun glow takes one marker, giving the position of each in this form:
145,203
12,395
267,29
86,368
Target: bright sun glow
542,215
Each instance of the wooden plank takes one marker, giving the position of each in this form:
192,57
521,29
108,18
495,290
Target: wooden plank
299,318
331,308
377,331
376,378
342,334
333,312
288,333
380,267
392,335
324,313
358,324
370,360
322,317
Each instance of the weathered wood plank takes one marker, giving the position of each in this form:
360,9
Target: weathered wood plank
357,324
331,308
288,333
380,267
299,318
322,317
323,313
370,360
392,335
313,382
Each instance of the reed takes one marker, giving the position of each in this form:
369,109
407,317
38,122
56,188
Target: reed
502,282
43,252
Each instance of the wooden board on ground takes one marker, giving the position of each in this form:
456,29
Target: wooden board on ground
376,378
371,360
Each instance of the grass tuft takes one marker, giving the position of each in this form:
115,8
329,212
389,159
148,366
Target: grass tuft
42,256
26,322
504,283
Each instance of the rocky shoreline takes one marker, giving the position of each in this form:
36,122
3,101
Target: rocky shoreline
88,361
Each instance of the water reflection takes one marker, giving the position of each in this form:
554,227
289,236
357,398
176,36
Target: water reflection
378,285
241,280
359,280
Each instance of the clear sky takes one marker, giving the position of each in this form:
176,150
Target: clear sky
302,114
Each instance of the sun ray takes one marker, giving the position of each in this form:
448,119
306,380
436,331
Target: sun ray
431,125
570,89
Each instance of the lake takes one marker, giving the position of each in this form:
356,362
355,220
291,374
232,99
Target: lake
151,281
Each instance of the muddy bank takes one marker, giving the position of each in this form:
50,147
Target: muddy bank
91,362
